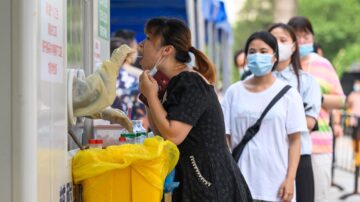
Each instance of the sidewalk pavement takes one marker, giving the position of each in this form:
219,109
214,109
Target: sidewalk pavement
344,172
346,180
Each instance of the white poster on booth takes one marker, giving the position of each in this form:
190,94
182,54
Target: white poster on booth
52,41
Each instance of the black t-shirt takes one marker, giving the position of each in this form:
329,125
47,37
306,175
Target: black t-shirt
206,169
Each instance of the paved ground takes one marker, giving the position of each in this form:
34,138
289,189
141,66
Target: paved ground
346,180
344,159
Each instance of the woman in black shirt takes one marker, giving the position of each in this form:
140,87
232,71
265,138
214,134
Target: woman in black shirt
189,114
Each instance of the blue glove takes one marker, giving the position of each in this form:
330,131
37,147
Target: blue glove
169,184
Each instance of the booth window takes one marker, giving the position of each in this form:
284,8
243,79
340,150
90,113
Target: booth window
75,53
75,30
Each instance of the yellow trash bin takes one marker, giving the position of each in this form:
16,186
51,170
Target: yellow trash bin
126,173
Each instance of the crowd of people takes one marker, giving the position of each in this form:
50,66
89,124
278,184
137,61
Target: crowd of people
278,113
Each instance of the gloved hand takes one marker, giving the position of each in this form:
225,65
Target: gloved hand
170,183
114,116
97,91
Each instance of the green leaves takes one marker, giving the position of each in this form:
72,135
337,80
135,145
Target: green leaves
336,25
256,15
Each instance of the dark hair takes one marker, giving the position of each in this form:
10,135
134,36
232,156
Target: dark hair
295,57
116,42
176,33
300,23
236,55
317,46
269,39
127,35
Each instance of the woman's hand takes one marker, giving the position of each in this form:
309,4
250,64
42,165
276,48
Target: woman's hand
338,130
148,85
286,192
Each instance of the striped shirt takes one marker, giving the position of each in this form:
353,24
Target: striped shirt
329,83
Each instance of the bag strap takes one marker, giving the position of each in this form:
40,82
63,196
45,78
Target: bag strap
252,131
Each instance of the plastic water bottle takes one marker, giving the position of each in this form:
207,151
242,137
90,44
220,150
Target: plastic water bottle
140,137
139,130
150,134
130,138
126,137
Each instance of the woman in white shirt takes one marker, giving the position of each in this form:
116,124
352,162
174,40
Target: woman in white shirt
270,159
289,70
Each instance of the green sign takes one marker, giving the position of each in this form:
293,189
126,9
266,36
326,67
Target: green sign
103,19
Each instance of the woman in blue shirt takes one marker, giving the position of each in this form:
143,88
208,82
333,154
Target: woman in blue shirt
289,70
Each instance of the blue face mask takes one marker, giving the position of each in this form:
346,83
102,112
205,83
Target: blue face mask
260,64
306,49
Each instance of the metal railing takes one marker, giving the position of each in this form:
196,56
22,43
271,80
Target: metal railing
346,151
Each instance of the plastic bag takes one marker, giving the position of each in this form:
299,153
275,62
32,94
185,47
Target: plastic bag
130,172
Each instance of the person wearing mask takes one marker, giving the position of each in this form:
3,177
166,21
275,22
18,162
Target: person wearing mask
332,98
270,159
127,85
189,114
289,70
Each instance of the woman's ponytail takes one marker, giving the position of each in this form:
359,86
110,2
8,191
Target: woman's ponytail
203,65
176,33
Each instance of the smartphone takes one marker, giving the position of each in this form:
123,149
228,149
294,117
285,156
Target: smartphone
162,81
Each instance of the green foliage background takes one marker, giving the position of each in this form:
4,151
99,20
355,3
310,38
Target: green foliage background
336,25
256,15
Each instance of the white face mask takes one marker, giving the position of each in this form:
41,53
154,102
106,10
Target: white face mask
285,51
154,69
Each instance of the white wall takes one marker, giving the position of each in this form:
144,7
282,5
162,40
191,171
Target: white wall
36,110
23,99
51,109
34,162
5,100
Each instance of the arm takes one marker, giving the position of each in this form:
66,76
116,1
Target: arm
286,191
334,99
97,91
114,116
295,124
311,96
333,94
310,122
226,109
333,102
174,131
349,101
149,116
294,155
336,117
336,123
